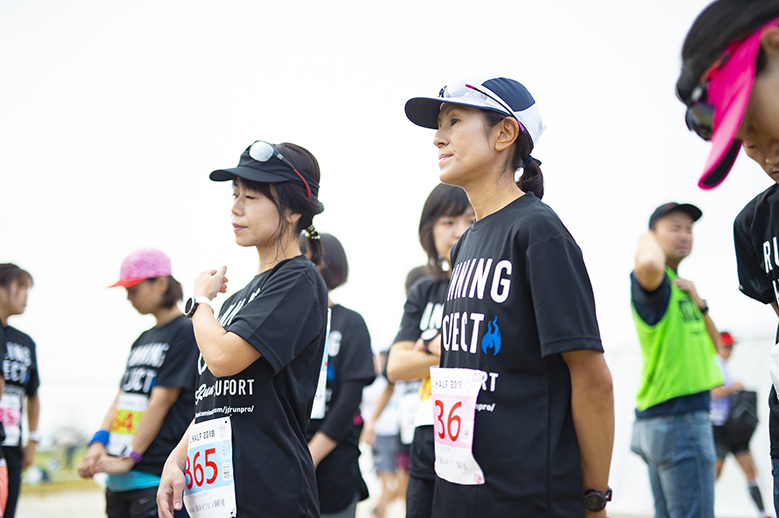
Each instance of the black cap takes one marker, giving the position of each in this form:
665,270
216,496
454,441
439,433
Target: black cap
273,168
689,209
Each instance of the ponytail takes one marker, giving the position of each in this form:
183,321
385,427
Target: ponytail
532,179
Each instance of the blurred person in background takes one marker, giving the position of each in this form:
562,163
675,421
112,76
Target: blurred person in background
333,436
155,402
724,441
19,387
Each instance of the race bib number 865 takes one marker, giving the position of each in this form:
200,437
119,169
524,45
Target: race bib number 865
210,491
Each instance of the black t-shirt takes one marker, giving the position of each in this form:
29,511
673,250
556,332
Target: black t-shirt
20,371
519,296
164,357
282,313
423,312
756,235
350,359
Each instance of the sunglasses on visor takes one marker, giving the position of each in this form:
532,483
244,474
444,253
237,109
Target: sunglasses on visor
461,89
263,151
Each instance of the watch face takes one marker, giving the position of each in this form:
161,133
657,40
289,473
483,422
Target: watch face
189,306
594,503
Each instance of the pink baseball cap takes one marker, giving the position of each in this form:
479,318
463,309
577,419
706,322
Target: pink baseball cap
143,264
720,101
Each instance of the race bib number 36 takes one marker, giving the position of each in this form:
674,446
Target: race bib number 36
454,407
210,491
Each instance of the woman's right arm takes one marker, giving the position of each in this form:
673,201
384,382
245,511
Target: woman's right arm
96,450
406,363
170,495
226,354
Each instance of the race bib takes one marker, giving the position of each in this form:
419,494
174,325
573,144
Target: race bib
210,491
11,416
320,403
129,412
454,407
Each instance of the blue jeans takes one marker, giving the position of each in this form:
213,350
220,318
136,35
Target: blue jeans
679,452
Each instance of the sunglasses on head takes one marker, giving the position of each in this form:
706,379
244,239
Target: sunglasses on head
263,151
462,89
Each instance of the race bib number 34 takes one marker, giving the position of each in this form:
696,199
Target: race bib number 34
454,407
210,491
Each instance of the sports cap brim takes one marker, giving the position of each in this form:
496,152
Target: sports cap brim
248,173
127,283
691,210
424,111
729,89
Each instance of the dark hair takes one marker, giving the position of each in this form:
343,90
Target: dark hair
414,275
334,267
173,294
293,197
720,24
10,273
532,180
444,201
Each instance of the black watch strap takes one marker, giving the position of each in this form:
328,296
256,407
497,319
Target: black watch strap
595,501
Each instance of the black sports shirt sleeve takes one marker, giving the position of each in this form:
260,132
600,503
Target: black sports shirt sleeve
752,279
412,311
271,321
650,305
178,369
562,296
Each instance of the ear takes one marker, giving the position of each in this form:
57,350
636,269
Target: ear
506,133
769,40
161,284
292,218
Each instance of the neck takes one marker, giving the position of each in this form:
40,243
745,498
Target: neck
166,315
273,254
673,264
488,197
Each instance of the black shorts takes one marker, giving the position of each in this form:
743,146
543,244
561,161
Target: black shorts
136,503
725,444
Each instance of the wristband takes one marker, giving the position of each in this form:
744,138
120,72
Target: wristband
34,436
100,436
704,310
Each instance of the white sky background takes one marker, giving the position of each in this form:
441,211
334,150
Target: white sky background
113,114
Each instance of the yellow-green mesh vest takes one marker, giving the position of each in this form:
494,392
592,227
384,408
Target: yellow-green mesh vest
679,358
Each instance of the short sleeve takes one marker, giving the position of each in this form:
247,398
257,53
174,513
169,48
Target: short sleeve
412,312
283,319
34,381
650,305
562,296
752,279
180,365
356,356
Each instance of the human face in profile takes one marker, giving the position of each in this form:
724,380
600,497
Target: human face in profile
463,142
255,217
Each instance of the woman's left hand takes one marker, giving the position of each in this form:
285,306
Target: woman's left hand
114,465
211,282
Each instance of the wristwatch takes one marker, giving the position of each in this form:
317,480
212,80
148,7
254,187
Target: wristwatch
193,302
127,451
595,500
